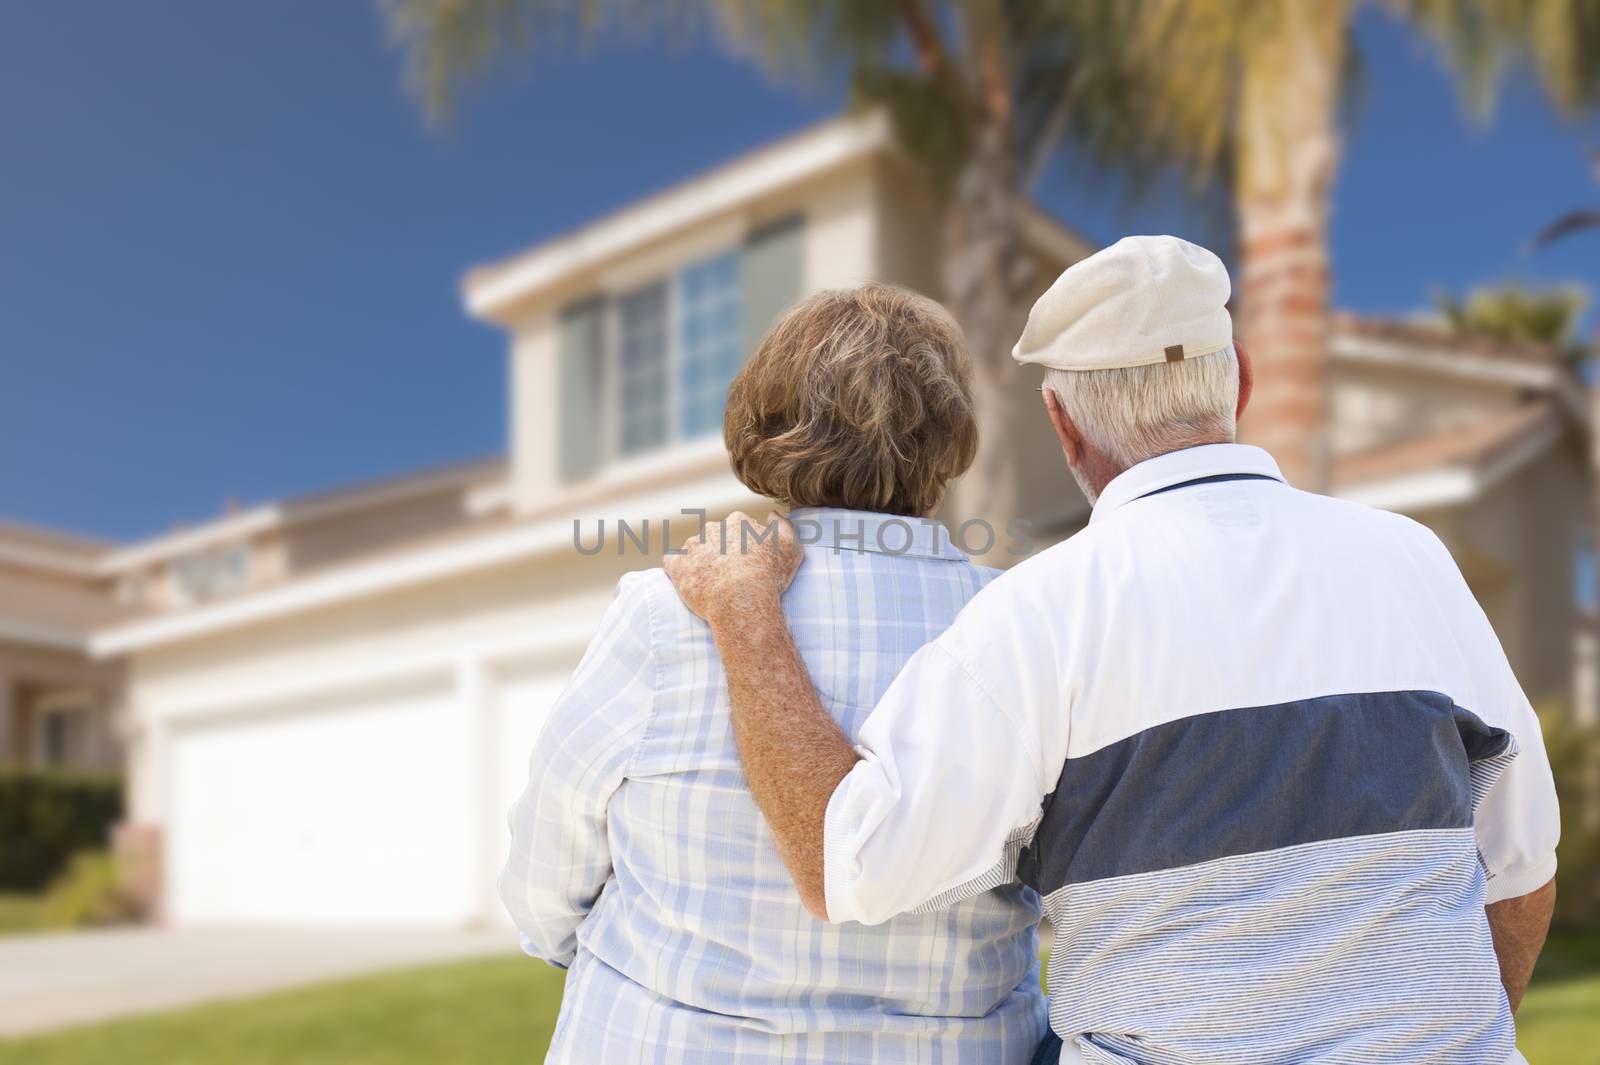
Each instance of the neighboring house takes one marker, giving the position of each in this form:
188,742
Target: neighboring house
329,703
1488,444
56,703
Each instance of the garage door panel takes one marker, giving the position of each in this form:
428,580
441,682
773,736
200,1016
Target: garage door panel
524,704
352,811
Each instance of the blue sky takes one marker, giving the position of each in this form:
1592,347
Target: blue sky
230,247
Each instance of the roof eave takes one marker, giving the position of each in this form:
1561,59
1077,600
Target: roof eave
1456,483
491,292
360,580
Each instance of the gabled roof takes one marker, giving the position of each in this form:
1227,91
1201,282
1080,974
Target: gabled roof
471,550
1455,466
491,290
49,550
311,507
1451,467
1422,335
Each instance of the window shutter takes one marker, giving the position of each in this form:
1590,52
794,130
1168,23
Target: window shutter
582,354
774,275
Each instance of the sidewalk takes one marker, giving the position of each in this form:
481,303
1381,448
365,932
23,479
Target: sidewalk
55,981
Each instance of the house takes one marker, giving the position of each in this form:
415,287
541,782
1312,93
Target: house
327,704
56,702
1487,443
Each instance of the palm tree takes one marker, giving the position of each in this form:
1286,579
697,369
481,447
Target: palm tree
1574,221
1547,317
982,92
1263,82
985,91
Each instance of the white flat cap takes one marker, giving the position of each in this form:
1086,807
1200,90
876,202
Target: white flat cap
1142,300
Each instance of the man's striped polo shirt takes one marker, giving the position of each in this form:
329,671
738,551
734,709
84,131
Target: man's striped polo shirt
1260,752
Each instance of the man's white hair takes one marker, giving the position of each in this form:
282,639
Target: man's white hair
1135,413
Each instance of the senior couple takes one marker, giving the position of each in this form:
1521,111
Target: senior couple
1255,753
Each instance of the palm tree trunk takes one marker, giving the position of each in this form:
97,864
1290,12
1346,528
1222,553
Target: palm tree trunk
983,279
1289,150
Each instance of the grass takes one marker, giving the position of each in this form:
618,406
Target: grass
480,1012
1559,1022
503,1011
20,913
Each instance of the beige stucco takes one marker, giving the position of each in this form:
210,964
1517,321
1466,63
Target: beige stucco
1377,404
58,707
1518,546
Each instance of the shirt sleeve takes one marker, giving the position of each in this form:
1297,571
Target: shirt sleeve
1516,816
1518,821
946,794
560,857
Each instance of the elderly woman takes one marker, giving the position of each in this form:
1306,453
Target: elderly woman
638,857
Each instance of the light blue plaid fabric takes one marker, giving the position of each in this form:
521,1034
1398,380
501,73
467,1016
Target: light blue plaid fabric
639,859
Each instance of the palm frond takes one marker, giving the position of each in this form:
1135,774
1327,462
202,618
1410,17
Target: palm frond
1483,39
446,42
1515,313
1568,224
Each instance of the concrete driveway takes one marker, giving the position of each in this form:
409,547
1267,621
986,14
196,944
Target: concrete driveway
54,981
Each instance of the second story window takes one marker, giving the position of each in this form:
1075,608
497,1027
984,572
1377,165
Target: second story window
650,366
210,572
709,342
642,378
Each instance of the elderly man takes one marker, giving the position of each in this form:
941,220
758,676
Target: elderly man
1258,749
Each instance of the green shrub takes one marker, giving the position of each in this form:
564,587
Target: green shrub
90,894
1575,763
47,817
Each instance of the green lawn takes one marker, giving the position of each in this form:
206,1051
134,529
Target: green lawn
503,1010
1559,1022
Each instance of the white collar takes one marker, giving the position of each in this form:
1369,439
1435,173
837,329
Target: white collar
1176,467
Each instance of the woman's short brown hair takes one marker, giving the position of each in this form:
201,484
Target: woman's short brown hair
858,398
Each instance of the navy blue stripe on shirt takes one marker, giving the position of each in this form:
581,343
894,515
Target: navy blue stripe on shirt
1260,778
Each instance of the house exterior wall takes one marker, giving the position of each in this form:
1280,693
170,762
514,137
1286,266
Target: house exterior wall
33,679
841,247
451,649
1517,545
309,544
45,618
1374,405
243,739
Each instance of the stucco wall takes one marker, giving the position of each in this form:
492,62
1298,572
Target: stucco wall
310,544
28,671
1374,405
1517,547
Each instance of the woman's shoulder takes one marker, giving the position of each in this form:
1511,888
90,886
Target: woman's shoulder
982,575
649,592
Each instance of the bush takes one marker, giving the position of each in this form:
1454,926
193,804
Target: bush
1575,764
47,817
91,893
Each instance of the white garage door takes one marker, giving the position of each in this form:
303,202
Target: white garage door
524,704
357,811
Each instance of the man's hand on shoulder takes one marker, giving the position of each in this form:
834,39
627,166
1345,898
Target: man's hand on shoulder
735,566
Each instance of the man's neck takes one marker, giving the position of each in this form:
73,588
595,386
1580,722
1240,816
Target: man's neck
1099,471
